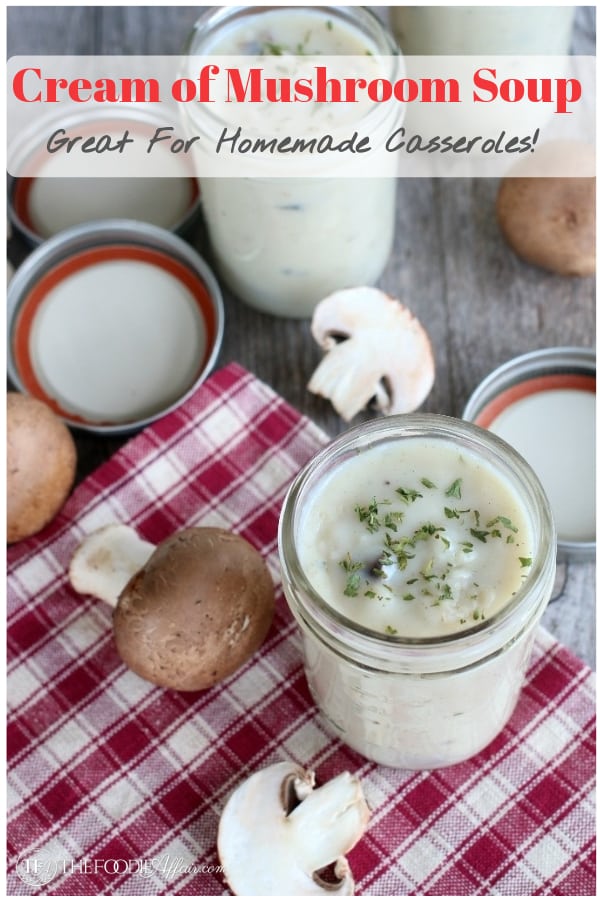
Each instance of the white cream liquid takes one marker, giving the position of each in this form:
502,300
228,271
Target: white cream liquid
416,540
555,431
283,244
406,718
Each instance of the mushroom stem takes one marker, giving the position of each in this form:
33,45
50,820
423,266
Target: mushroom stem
106,561
329,822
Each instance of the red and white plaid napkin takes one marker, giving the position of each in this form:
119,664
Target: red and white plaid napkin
116,786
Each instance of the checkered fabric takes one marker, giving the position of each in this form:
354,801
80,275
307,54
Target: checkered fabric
116,786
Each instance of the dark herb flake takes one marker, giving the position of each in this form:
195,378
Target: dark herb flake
455,489
269,47
348,564
502,520
408,495
392,519
352,585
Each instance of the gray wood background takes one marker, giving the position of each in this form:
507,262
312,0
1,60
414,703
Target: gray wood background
480,304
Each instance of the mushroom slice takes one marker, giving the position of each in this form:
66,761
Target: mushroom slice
187,613
277,832
376,350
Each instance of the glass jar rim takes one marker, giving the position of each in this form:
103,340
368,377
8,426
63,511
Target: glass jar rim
478,641
216,16
213,18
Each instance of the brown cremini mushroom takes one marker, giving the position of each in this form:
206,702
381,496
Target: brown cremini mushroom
40,465
189,612
377,351
278,833
551,221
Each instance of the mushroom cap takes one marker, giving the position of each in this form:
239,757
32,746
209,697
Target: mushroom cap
551,222
376,349
197,610
41,463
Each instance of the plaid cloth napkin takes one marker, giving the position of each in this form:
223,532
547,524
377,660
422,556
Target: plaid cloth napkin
116,786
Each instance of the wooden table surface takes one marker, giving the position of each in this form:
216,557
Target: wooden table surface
480,304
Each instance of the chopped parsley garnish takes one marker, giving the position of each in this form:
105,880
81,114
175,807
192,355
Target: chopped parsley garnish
369,515
455,489
503,520
446,592
428,577
392,519
272,49
351,569
352,585
408,495
427,530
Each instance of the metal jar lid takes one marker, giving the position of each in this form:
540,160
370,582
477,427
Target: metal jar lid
543,403
41,205
113,324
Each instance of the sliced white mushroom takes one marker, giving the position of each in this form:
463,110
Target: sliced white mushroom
377,351
278,832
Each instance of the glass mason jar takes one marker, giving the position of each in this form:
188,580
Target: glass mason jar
411,702
473,30
282,244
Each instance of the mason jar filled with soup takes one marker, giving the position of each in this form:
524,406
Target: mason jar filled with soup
283,243
475,30
418,553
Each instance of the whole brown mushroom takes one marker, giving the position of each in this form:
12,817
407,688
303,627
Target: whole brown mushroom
189,612
551,221
40,465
